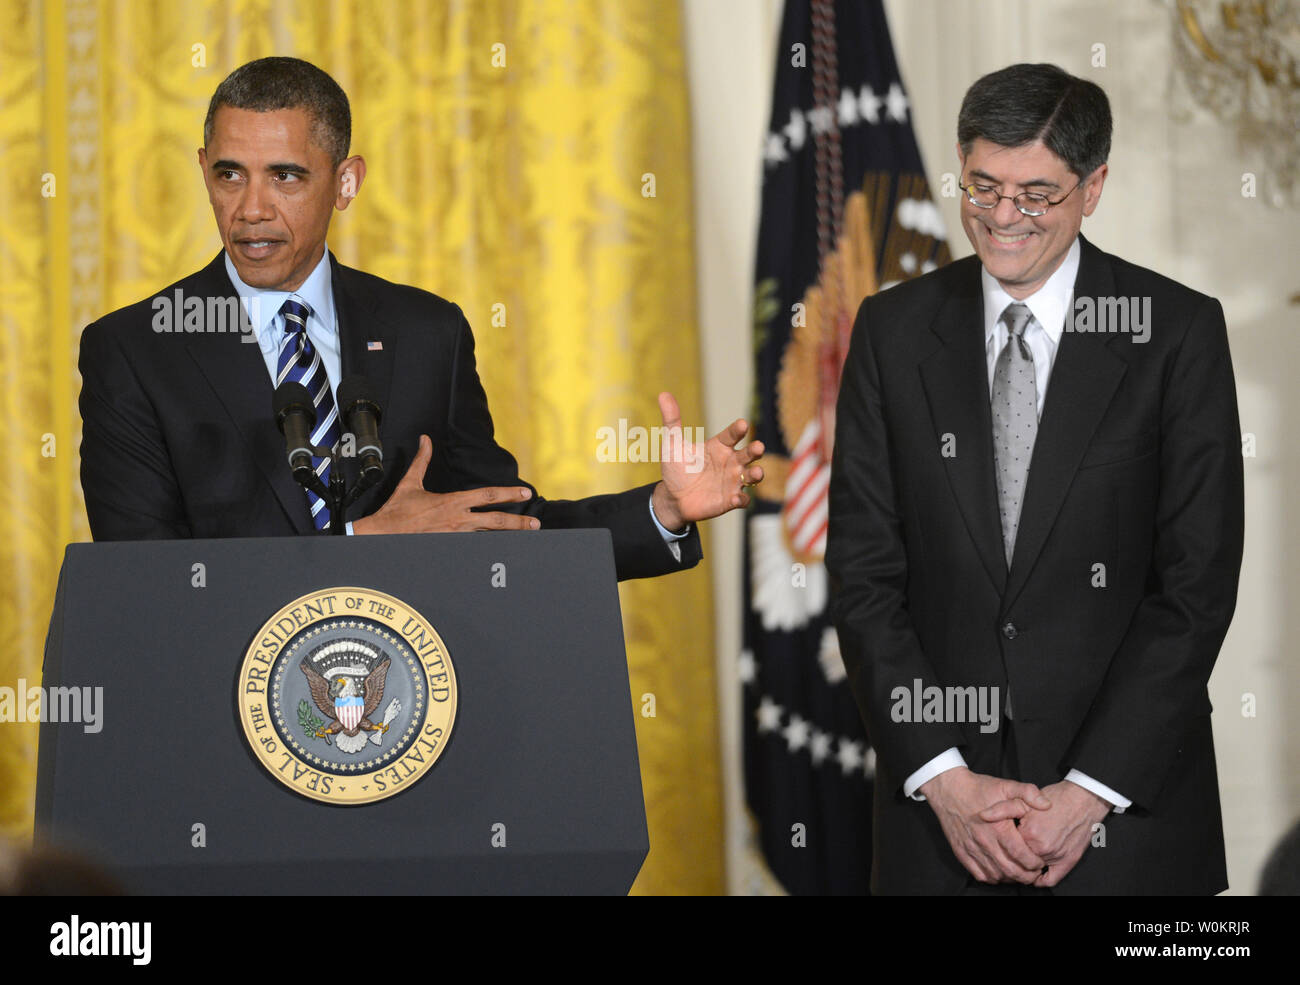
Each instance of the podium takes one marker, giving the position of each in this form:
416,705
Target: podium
536,785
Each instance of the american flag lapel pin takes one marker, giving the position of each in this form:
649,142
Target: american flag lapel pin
374,346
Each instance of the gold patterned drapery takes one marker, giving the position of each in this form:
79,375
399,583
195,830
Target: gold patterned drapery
528,160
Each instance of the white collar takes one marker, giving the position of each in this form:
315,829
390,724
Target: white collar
1048,304
263,305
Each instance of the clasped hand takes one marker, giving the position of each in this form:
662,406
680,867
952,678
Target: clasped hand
1007,831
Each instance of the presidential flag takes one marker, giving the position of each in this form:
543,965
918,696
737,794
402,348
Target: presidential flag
846,212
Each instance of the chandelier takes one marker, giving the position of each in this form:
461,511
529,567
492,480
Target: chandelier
1241,60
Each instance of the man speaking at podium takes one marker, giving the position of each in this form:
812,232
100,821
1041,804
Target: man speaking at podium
179,438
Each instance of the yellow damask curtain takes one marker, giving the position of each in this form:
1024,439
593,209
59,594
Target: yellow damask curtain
528,160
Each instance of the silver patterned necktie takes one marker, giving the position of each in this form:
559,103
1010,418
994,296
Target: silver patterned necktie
1015,420
299,362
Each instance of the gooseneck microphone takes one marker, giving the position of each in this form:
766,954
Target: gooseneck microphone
295,416
361,417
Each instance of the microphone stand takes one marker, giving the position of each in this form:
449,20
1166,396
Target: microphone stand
294,400
336,496
338,491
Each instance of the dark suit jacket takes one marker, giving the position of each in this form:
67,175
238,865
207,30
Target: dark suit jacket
1137,467
178,439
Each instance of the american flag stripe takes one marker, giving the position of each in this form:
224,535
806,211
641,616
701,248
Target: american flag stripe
812,522
806,506
808,495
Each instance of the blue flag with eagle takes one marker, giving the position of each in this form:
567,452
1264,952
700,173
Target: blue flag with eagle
846,212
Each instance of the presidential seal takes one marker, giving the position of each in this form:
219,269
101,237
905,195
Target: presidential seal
347,695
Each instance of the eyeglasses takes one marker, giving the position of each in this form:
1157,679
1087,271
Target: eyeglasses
1029,203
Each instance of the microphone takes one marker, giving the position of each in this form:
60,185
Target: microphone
361,415
295,416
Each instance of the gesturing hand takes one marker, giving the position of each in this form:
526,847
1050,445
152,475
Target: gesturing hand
992,850
702,481
412,509
1060,834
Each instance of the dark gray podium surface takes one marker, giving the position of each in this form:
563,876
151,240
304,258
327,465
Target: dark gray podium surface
542,754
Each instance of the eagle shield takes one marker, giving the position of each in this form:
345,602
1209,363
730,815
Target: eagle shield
346,679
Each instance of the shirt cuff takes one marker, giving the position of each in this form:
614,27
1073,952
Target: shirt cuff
949,759
1121,803
664,532
348,528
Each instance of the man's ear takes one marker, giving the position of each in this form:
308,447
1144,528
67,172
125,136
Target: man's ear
203,167
351,173
1092,190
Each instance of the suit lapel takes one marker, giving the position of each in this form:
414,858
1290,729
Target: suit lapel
237,374
366,343
1084,378
367,347
955,378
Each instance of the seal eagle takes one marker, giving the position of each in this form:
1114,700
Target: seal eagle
339,700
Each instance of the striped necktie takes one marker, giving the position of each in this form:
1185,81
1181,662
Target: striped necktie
299,362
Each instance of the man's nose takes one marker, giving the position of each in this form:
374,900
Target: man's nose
255,204
1006,214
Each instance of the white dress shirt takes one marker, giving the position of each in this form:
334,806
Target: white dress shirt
1049,305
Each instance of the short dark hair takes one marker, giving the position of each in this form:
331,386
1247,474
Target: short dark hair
1020,104
288,83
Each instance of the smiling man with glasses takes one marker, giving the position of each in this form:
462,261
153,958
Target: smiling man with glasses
1044,515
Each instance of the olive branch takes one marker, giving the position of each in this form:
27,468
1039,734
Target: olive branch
310,723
